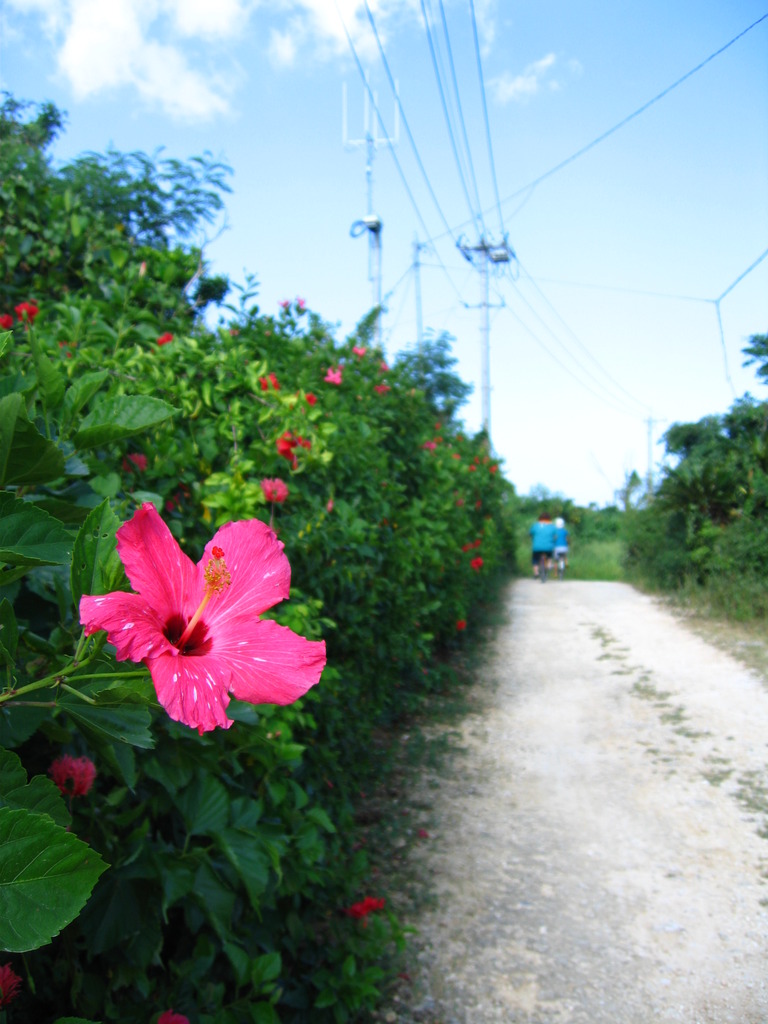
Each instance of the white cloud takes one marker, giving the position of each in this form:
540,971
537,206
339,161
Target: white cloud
107,44
282,48
509,88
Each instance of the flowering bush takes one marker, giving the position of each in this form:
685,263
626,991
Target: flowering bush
207,867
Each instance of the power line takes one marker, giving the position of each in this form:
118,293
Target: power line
608,396
485,114
462,122
630,117
419,161
400,171
472,212
581,345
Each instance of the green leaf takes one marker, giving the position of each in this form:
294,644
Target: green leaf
75,1020
40,795
120,713
6,337
82,391
265,968
46,875
96,565
120,417
26,457
49,377
76,225
242,851
29,536
319,817
204,806
9,630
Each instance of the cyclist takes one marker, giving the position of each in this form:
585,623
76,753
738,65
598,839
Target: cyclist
561,546
542,542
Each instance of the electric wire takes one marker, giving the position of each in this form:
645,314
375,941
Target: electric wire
407,127
603,398
625,121
400,171
459,109
581,345
474,216
610,398
485,116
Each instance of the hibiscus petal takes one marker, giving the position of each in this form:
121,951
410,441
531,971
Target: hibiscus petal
260,572
267,663
193,690
156,566
132,626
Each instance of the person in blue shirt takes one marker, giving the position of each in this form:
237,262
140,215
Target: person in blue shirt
561,546
542,542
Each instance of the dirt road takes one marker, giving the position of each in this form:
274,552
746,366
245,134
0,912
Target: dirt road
599,851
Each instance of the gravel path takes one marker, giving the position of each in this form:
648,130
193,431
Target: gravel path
597,854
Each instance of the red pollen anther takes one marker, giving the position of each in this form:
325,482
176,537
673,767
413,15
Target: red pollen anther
217,552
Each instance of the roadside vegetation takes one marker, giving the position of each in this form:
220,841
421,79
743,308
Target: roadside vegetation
702,534
179,872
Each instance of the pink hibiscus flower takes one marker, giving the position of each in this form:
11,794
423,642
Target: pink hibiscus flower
169,1017
73,775
381,389
197,627
333,376
10,983
274,490
359,350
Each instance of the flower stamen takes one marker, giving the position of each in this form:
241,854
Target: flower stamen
217,579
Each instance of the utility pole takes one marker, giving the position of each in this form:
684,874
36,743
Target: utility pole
487,255
370,222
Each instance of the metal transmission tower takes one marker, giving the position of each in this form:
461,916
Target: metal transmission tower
370,222
488,255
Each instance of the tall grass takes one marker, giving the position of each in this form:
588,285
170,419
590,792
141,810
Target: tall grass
588,560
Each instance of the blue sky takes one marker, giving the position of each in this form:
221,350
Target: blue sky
604,330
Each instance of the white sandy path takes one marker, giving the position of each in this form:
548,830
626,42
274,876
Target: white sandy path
596,854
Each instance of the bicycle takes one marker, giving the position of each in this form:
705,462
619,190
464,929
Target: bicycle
560,566
543,565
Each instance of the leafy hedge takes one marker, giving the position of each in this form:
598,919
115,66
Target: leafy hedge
216,875
705,528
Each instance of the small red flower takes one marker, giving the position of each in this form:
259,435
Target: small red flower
364,907
165,338
285,304
493,469
6,322
423,834
169,1017
10,983
265,382
383,367
274,490
429,445
333,376
472,468
311,399
329,506
73,775
27,311
301,304
477,563
467,547
359,350
138,459
461,624
381,389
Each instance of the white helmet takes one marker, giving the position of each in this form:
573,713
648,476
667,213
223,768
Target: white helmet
559,523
